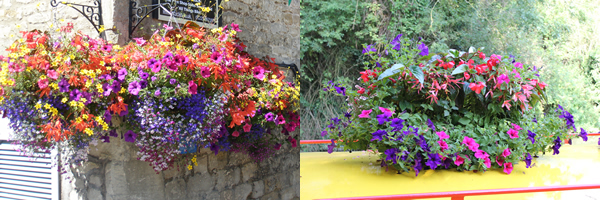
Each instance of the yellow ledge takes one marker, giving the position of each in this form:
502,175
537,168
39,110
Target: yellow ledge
356,174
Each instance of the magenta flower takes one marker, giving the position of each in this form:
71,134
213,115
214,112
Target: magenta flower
235,134
134,88
193,88
503,79
365,113
386,112
235,27
442,135
519,65
459,160
516,127
258,72
481,154
205,71
43,83
139,41
269,117
443,145
157,93
280,119
52,74
107,48
506,152
508,167
517,75
293,141
513,133
487,162
247,127
155,65
473,146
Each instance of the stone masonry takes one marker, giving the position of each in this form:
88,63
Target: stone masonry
269,27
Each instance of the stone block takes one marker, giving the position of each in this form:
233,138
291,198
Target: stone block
202,167
248,171
94,194
272,183
242,191
95,180
227,195
217,162
271,196
175,189
236,159
258,189
199,184
288,193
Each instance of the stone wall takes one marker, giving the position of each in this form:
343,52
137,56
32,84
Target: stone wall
269,27
113,172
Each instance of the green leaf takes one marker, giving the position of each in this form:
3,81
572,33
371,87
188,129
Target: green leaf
391,71
465,121
417,72
460,69
446,113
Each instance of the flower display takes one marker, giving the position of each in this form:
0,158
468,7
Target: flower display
461,110
179,90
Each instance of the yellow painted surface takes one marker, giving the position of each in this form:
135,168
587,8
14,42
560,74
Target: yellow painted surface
356,174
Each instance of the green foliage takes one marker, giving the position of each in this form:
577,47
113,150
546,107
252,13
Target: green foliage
560,36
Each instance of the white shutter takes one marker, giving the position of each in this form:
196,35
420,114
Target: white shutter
25,178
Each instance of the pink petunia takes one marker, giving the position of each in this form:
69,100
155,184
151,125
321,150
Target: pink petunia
517,75
443,145
442,135
508,167
487,162
513,133
386,111
43,83
205,71
499,161
481,154
193,88
236,27
235,134
280,119
516,127
223,37
506,152
258,72
52,74
247,127
473,146
365,113
459,160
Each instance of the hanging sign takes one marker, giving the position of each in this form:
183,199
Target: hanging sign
205,13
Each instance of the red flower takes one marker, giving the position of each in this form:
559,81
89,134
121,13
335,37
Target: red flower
477,87
361,91
467,76
481,55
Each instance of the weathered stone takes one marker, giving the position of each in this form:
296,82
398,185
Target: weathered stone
288,193
248,171
94,194
199,184
258,189
295,177
95,180
271,196
213,195
236,159
202,167
272,183
227,195
175,189
133,180
242,191
171,173
217,162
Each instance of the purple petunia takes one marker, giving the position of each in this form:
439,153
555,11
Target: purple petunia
424,49
107,116
105,138
75,95
331,146
430,124
340,90
323,133
143,75
269,117
396,42
173,81
154,65
370,48
134,88
378,135
63,85
397,124
528,160
130,136
583,135
392,154
113,133
531,136
556,146
122,74
434,160
157,92
418,166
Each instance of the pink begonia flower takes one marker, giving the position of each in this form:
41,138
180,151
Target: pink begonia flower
386,111
517,127
506,152
139,41
247,127
258,72
52,74
443,145
223,37
513,133
193,88
508,167
481,154
487,162
43,83
519,65
503,79
235,134
442,135
459,160
365,113
517,75
473,146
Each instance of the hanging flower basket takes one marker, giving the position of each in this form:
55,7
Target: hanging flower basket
177,91
455,110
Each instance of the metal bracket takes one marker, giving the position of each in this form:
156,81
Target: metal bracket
138,13
92,13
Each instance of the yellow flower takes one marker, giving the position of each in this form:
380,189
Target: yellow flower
189,167
84,116
88,131
102,63
82,99
123,90
47,106
73,104
64,100
38,106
